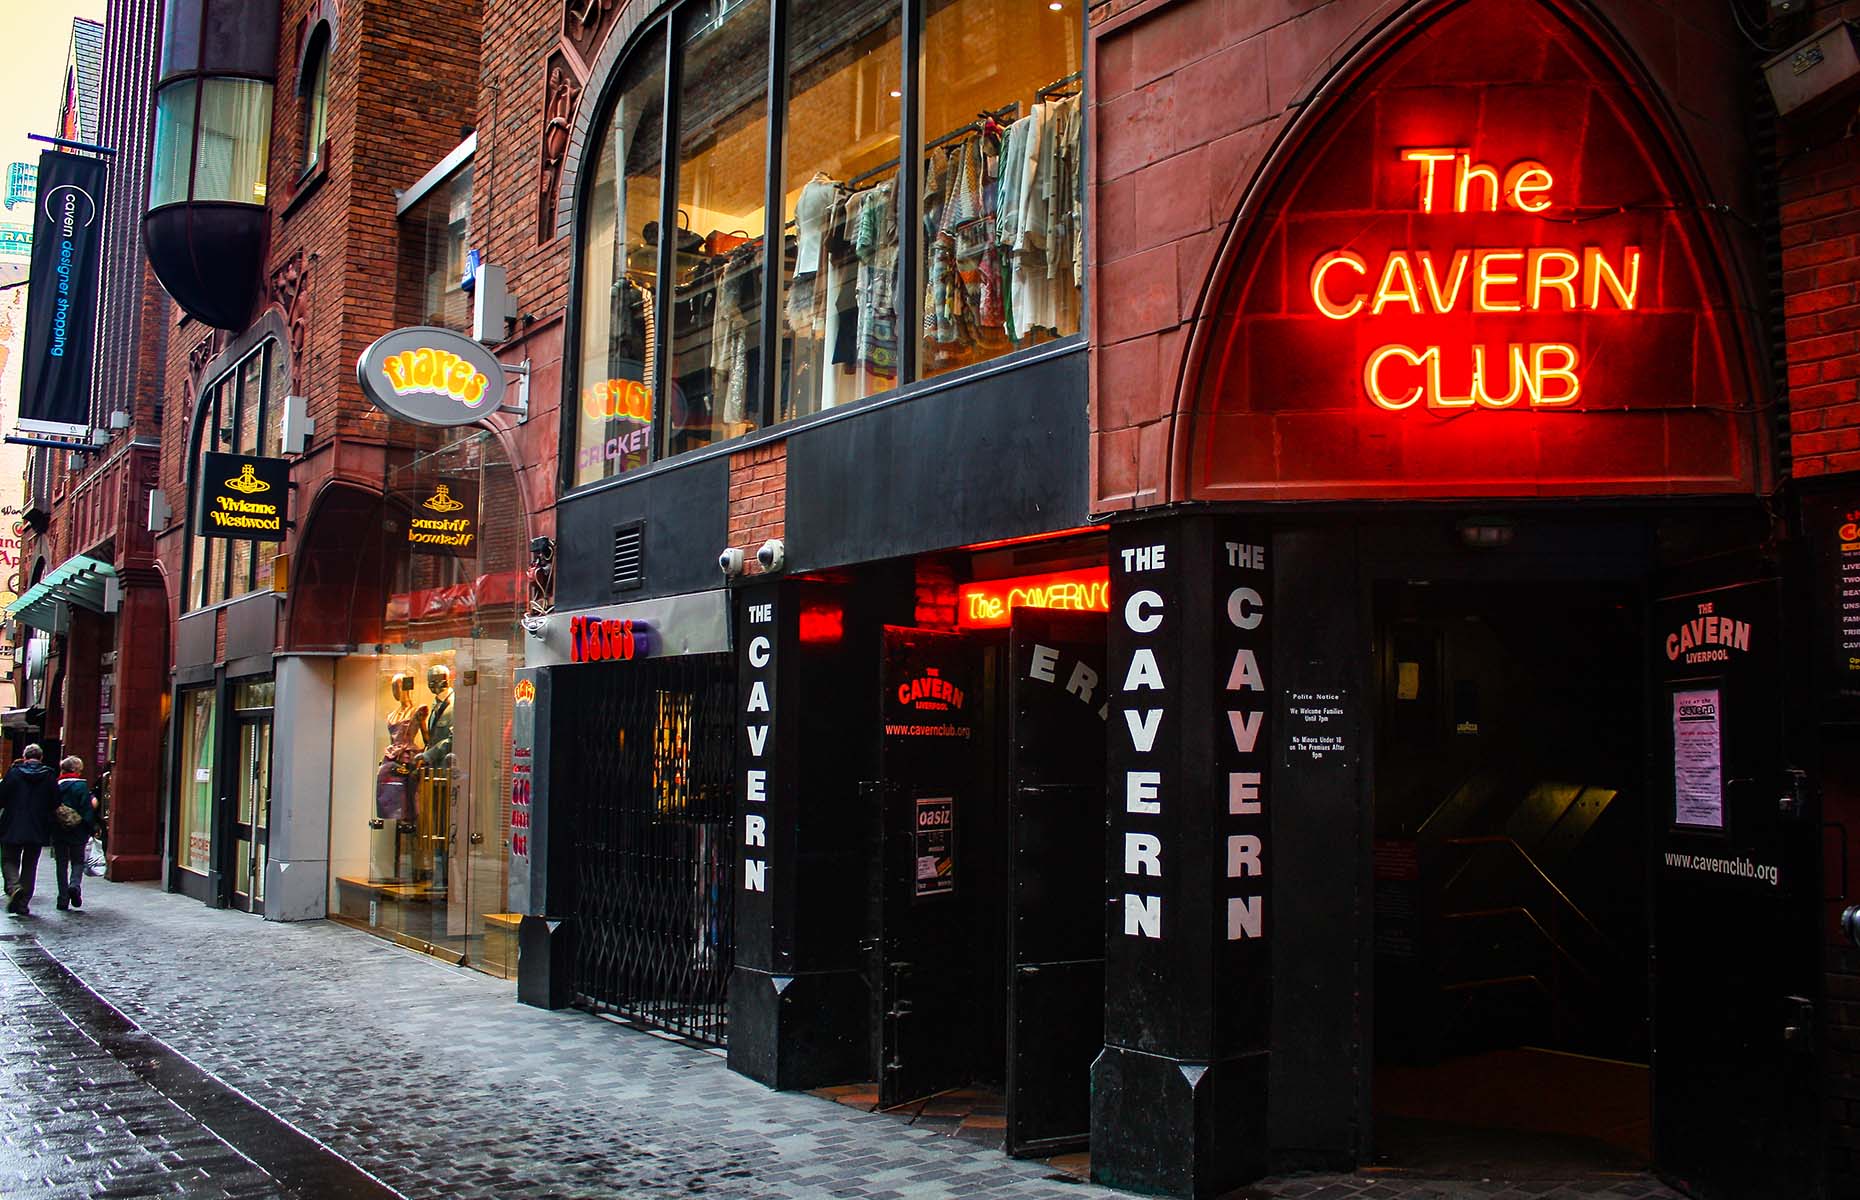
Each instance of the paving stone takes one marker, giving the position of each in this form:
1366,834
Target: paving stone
433,1080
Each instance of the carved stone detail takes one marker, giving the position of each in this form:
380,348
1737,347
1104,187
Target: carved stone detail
561,92
290,291
205,351
585,24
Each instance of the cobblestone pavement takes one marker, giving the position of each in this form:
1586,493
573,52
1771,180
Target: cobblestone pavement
235,1034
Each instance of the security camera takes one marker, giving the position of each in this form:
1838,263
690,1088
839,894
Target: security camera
730,562
772,555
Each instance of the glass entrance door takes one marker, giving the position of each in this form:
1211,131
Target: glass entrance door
252,797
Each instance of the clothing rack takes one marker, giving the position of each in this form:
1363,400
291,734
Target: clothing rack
960,131
1059,85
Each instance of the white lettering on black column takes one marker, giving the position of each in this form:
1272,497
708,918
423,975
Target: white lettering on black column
1143,692
1245,702
758,716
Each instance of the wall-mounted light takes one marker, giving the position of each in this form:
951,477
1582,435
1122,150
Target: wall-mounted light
1486,533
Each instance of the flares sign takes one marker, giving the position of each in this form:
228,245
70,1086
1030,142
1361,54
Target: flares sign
1478,280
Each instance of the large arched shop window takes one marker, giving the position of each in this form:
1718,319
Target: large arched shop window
240,412
877,272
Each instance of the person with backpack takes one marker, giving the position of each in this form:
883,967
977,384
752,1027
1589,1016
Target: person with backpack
73,821
28,793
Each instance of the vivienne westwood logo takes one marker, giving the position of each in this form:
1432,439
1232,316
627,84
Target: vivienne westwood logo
248,482
441,500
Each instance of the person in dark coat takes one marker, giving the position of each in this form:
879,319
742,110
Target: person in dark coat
27,795
68,835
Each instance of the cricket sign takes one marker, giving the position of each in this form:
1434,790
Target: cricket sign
431,376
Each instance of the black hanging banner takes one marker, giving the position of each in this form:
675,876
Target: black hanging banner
242,496
61,300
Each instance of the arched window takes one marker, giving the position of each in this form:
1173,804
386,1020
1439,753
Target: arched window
313,98
718,292
240,412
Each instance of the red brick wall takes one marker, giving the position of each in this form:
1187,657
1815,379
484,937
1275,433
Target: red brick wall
758,499
1818,184
1189,96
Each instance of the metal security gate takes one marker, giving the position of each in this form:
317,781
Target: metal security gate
651,776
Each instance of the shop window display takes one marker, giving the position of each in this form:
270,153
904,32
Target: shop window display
420,812
193,840
996,224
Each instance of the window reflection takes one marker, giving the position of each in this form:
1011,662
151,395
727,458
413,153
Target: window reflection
840,316
716,334
1003,256
614,402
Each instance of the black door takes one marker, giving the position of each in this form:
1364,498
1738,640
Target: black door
1735,884
925,903
1055,908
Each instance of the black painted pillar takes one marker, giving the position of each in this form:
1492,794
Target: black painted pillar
1179,1094
542,864
796,999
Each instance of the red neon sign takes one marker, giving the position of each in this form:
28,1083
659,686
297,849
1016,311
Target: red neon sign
990,604
1480,271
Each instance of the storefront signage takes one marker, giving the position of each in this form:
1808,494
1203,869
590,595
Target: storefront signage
1698,758
1832,524
1449,288
242,496
1241,640
758,724
688,623
930,692
936,853
1316,722
608,639
990,604
1512,280
1707,638
61,297
443,519
431,376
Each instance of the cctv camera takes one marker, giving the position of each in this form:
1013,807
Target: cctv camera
772,555
730,562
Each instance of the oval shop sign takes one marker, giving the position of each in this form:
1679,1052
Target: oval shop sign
431,376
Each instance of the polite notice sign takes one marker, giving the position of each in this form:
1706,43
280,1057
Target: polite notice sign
242,496
1698,759
1315,727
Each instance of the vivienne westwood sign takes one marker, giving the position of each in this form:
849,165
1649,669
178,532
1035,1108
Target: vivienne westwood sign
431,376
242,497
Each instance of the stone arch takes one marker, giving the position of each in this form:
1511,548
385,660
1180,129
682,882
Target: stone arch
1506,61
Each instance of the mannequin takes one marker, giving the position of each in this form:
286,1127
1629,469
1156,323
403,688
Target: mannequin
439,762
397,781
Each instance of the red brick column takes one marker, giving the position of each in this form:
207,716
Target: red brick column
84,648
141,687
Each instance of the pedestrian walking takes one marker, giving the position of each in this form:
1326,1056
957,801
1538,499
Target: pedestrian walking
28,794
73,821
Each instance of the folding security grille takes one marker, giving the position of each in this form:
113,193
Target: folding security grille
651,773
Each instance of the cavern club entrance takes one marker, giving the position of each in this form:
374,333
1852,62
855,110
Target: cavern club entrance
985,957
1592,874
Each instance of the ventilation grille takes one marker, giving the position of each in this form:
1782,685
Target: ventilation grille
629,556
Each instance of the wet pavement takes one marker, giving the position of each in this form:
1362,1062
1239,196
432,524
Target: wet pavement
150,1046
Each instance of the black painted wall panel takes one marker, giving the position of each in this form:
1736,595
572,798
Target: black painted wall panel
686,511
1003,456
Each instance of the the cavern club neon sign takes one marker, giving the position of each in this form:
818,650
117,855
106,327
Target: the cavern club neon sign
991,604
1479,280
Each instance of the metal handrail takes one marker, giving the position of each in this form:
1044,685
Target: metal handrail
1531,918
1502,840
